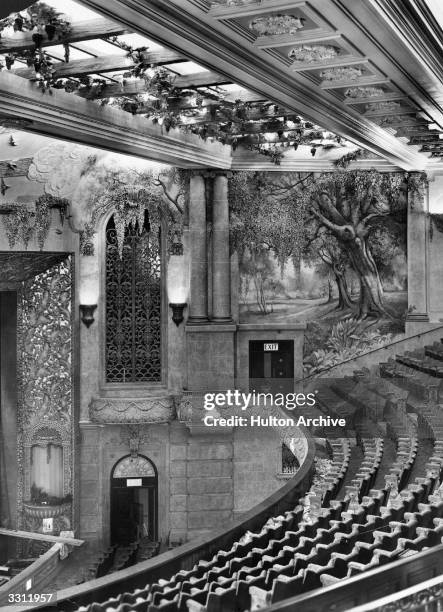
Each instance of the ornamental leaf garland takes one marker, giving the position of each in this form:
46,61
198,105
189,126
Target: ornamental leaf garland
19,226
231,123
43,21
22,224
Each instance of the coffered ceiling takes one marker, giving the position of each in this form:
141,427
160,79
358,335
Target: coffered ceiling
369,70
263,76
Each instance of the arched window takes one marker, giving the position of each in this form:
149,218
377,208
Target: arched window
133,304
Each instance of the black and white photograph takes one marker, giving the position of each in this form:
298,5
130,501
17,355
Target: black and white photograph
221,305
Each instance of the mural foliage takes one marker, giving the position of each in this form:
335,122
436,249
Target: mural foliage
328,250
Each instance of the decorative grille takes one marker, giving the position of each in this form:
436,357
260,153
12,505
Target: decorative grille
130,467
133,305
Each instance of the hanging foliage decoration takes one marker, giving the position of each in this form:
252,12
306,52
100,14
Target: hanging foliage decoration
129,204
22,224
231,123
44,22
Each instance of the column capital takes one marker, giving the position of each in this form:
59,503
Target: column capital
214,172
418,175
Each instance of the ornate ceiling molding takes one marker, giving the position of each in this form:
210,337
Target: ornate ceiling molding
185,26
69,117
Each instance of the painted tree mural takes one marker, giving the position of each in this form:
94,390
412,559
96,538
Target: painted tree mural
346,232
351,207
338,218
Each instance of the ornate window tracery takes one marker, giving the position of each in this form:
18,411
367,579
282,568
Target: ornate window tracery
133,304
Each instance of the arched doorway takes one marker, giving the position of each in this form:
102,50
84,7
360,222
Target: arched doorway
133,500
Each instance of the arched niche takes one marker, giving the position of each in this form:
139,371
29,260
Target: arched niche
49,443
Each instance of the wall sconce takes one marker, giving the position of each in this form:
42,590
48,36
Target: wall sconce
87,313
178,286
177,312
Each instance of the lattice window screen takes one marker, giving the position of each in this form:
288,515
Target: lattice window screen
133,305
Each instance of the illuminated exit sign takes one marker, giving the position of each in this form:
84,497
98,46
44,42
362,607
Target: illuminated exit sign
270,346
133,482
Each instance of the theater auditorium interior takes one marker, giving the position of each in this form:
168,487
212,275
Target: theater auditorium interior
221,305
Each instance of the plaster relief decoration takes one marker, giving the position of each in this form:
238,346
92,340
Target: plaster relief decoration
59,167
348,73
17,267
274,25
364,92
389,106
141,433
190,408
313,53
390,119
45,399
155,410
233,2
134,467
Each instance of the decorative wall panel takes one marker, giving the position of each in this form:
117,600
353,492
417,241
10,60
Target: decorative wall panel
136,466
119,410
45,394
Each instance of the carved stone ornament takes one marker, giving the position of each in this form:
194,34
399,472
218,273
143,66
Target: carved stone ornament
134,467
384,106
310,54
86,240
274,25
364,92
119,410
389,119
233,2
345,73
45,396
190,407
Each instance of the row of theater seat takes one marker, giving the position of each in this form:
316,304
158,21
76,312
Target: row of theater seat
299,551
435,350
420,384
119,557
327,486
268,568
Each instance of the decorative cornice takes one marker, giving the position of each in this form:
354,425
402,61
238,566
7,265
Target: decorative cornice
185,28
132,410
69,117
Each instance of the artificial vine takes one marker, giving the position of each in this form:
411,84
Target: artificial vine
44,22
230,123
22,224
345,160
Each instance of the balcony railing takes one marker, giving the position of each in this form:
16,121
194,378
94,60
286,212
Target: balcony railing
424,597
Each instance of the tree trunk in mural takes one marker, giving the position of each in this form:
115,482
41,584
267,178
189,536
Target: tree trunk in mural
371,291
297,273
344,299
352,207
330,293
353,240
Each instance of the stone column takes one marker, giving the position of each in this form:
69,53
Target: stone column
221,272
435,272
198,308
417,256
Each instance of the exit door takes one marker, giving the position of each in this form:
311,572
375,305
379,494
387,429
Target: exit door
271,366
133,511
